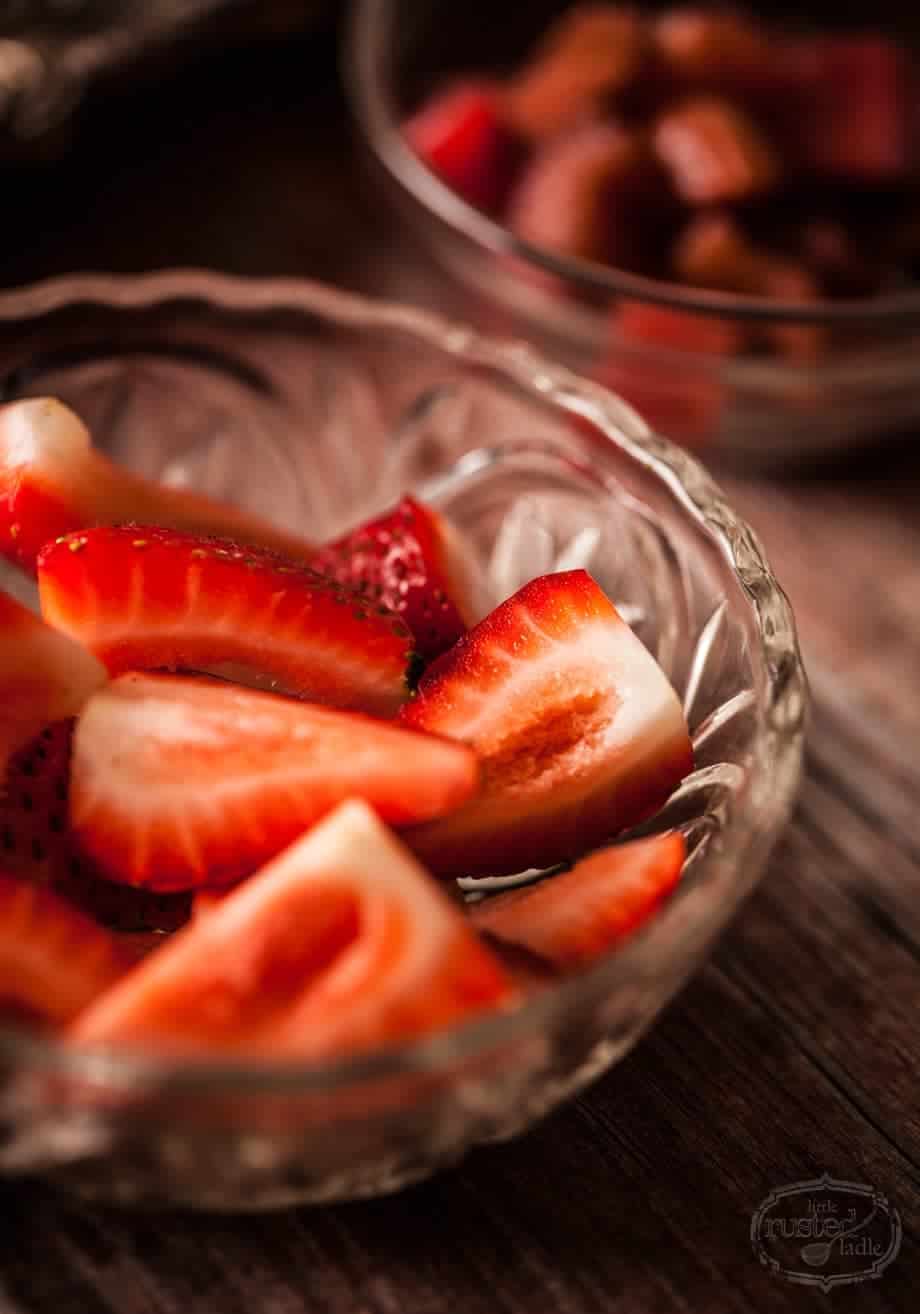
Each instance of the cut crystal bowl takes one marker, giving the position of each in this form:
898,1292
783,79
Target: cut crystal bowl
318,408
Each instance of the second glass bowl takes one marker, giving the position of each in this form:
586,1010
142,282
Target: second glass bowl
755,411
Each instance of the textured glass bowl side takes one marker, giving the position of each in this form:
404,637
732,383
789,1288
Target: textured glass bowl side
757,409
319,407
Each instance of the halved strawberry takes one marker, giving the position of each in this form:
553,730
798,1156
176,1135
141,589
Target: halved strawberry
145,598
461,136
44,676
342,944
52,481
36,844
412,561
578,731
179,783
34,839
572,919
54,962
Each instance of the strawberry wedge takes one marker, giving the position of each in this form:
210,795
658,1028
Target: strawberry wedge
154,598
571,920
53,960
44,676
179,783
52,481
37,845
342,944
578,731
413,562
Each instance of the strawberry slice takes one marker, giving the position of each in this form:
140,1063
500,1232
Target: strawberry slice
412,561
341,944
179,783
36,844
578,731
53,961
142,598
572,919
34,839
52,481
44,676
461,137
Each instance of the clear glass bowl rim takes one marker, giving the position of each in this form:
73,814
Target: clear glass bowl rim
776,755
376,110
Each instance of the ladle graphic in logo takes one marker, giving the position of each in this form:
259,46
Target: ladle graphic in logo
826,1233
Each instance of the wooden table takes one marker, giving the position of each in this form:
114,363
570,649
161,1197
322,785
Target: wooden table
794,1052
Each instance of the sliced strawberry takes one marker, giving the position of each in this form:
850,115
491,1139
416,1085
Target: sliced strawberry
578,731
36,844
143,598
179,783
53,961
44,676
461,136
572,919
341,944
52,481
412,561
34,839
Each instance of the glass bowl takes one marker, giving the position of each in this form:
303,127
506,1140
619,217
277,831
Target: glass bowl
752,410
318,407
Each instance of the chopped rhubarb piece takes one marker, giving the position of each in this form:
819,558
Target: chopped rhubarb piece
462,138
594,52
856,97
714,152
678,330
837,261
683,403
713,251
786,281
712,48
590,195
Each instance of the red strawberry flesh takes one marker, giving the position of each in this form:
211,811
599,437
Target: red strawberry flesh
53,481
54,961
342,944
578,731
179,783
153,598
44,676
572,919
412,562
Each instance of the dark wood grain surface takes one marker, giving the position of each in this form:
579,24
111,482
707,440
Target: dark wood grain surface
796,1051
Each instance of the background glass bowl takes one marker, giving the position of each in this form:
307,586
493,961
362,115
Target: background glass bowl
754,410
318,407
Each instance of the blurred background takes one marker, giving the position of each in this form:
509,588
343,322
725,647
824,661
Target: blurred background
143,133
